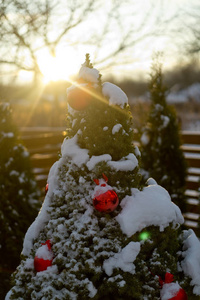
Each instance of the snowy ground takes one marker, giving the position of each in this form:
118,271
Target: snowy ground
190,96
186,102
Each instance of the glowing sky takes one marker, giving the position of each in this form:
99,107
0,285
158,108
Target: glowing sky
69,58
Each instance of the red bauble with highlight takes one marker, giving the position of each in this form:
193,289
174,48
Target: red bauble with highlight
79,98
106,202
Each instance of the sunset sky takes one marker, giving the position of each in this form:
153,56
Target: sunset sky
69,57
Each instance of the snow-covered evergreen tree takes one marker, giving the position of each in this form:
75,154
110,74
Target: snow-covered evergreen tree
18,197
162,157
82,245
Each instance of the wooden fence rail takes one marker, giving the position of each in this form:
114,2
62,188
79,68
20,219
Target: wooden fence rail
44,145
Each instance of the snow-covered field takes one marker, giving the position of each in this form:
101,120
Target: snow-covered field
181,96
189,96
186,102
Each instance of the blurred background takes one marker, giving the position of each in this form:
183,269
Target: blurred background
43,44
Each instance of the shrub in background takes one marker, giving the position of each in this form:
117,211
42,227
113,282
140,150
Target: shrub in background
162,157
18,196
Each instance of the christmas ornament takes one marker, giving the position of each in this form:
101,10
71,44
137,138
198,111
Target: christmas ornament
144,235
171,290
104,198
44,257
79,97
46,188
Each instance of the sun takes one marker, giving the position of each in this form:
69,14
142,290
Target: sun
59,67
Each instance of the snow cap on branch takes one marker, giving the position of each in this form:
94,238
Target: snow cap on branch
151,206
89,74
191,261
115,94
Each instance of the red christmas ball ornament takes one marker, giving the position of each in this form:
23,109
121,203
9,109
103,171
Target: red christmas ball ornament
104,198
171,290
79,97
181,295
44,257
41,264
46,188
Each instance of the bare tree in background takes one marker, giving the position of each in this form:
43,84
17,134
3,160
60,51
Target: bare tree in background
189,29
194,30
26,27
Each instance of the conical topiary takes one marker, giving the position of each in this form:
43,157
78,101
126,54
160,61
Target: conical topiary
92,248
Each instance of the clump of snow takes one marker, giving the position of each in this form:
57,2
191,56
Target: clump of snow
169,290
71,149
127,163
115,94
165,120
92,290
116,128
81,180
94,160
102,188
8,134
44,252
123,260
89,74
151,181
151,206
145,138
137,151
49,271
191,261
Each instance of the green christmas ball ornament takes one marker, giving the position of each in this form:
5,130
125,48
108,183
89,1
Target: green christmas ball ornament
144,235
